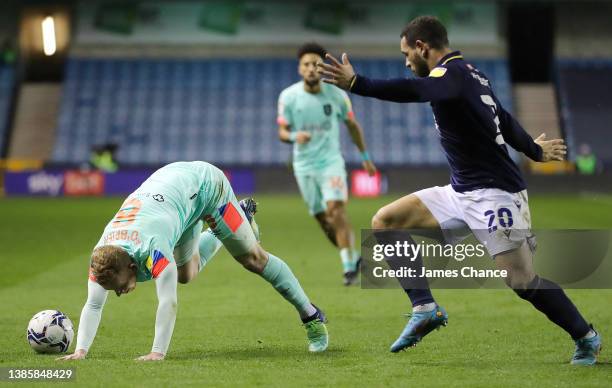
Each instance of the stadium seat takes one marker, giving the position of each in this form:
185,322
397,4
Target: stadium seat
224,111
7,81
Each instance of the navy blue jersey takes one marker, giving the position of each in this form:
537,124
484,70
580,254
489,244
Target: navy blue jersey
473,126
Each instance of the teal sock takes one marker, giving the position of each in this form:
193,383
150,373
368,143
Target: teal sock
279,275
209,245
356,255
347,260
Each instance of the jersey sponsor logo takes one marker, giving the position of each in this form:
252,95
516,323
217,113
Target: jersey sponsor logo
83,183
157,263
438,72
483,81
327,109
231,216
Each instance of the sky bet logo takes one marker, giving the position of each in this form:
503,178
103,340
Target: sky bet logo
44,183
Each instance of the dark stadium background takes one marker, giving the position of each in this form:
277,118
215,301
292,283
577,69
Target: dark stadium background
167,81
152,82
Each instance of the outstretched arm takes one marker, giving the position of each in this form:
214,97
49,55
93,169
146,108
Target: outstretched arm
440,85
539,150
514,134
89,321
165,284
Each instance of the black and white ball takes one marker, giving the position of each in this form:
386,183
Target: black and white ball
50,331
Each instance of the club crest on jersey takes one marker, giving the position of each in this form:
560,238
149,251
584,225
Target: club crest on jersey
438,72
157,263
327,109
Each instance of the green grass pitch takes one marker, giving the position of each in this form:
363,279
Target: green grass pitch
233,329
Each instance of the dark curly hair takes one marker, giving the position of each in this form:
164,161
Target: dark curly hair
428,29
311,48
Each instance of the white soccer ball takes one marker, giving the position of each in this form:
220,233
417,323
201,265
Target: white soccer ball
50,331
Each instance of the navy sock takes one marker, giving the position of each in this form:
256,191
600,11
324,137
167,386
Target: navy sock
417,288
550,299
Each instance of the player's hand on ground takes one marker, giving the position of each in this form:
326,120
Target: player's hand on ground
302,137
336,73
369,167
153,356
77,355
551,149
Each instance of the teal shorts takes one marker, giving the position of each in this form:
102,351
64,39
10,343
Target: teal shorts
321,186
226,220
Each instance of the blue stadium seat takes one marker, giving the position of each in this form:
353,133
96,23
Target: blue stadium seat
224,111
7,81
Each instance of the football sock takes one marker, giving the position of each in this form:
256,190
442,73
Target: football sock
590,334
347,260
550,299
279,275
209,245
417,288
424,308
356,256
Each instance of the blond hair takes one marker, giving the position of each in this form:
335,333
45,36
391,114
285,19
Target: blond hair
107,261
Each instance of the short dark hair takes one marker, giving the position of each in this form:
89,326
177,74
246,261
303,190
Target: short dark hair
428,29
311,48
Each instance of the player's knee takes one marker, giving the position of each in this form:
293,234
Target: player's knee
335,211
322,219
254,261
184,277
382,220
519,280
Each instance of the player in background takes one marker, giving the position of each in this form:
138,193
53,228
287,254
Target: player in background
309,115
157,234
487,194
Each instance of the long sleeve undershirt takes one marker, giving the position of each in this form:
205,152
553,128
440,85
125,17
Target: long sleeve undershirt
166,284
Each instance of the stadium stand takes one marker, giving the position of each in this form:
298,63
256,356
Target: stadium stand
224,111
7,80
584,92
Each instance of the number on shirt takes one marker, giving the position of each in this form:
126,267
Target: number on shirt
127,213
488,100
504,217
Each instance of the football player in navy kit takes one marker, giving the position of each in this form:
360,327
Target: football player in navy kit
487,194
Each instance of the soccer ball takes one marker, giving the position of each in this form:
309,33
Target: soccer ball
50,331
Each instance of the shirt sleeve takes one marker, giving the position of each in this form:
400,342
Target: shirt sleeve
284,116
165,318
158,256
441,84
346,108
515,135
91,315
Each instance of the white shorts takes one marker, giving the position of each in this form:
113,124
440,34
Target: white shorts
498,219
